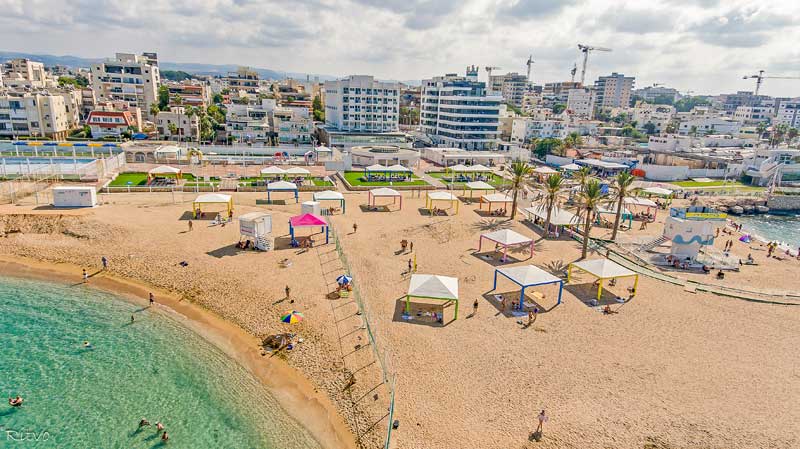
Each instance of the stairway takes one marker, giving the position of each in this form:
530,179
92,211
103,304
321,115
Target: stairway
653,243
264,243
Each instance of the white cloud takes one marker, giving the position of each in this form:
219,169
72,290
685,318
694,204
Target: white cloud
703,45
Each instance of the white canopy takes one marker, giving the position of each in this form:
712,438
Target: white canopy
397,168
272,171
167,149
479,168
439,195
558,216
384,191
497,198
478,185
164,170
458,168
433,286
544,170
604,268
213,198
528,275
644,202
603,164
572,167
328,195
281,185
702,180
658,191
323,149
507,237
376,167
297,171
604,210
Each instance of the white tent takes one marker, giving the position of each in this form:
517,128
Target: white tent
478,168
507,237
558,216
571,167
528,275
328,195
298,171
658,191
272,171
376,167
433,286
478,185
497,198
164,170
442,196
281,185
544,170
384,191
644,202
458,168
603,268
213,198
397,168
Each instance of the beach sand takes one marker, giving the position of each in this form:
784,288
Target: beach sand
671,370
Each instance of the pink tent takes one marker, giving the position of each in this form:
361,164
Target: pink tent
307,221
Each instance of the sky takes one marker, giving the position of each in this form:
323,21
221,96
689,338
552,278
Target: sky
705,46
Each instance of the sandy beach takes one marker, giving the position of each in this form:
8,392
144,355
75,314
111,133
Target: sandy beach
671,369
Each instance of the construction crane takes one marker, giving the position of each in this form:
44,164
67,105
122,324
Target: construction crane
586,49
529,63
760,79
574,71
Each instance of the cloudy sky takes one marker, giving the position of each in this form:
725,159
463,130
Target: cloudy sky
702,45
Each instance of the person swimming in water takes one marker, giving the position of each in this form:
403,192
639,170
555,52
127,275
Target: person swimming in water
144,422
164,437
15,402
159,426
87,345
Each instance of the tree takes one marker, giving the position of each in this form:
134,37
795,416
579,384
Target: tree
154,109
559,108
761,128
519,171
217,98
693,131
78,81
582,176
686,104
173,130
514,108
548,145
552,190
649,128
778,131
791,134
573,140
163,97
177,99
622,186
671,128
589,198
176,75
319,109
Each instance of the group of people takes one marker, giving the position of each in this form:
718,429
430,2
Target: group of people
499,212
159,428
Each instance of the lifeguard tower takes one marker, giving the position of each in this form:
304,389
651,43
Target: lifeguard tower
690,228
258,227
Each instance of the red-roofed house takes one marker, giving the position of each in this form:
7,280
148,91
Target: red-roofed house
108,121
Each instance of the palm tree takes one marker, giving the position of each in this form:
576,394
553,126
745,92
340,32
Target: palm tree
573,140
154,109
791,134
589,198
519,171
583,175
761,128
552,190
621,191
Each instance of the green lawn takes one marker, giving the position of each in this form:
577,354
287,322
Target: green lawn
496,180
135,179
716,184
354,178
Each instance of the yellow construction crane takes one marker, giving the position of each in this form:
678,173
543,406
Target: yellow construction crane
760,79
585,49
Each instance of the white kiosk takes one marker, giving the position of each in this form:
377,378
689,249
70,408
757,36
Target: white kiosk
74,196
257,226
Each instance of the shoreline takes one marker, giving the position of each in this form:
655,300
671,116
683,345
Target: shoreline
297,396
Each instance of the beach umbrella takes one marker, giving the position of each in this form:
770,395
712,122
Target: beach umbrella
344,279
292,317
745,238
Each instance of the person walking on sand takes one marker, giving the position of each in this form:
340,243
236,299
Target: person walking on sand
105,262
475,308
190,225
152,299
355,227
288,291
542,419
132,319
409,265
85,276
411,247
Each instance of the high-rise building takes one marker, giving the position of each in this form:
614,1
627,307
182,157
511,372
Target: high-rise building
133,79
580,102
24,73
35,115
360,104
460,112
512,86
614,91
789,113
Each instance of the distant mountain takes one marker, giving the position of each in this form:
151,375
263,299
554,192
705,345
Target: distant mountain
195,68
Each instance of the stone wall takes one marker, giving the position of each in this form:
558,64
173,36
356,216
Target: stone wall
784,202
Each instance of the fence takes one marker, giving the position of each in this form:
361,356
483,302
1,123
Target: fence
386,370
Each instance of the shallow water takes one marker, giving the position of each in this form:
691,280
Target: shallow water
782,228
154,368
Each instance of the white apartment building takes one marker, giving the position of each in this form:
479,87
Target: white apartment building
789,113
243,79
360,104
709,125
189,93
250,123
293,125
660,115
614,91
35,115
653,93
754,114
131,78
26,74
459,112
525,129
175,124
511,86
580,102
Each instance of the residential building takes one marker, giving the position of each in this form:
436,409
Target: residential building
88,102
250,123
189,93
23,73
360,104
580,102
560,89
243,79
114,118
447,157
131,78
531,100
652,94
729,102
525,129
709,125
292,124
511,86
176,124
658,115
789,113
750,115
35,115
459,112
614,91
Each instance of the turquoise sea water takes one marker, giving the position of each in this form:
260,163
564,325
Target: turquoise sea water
781,228
154,368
